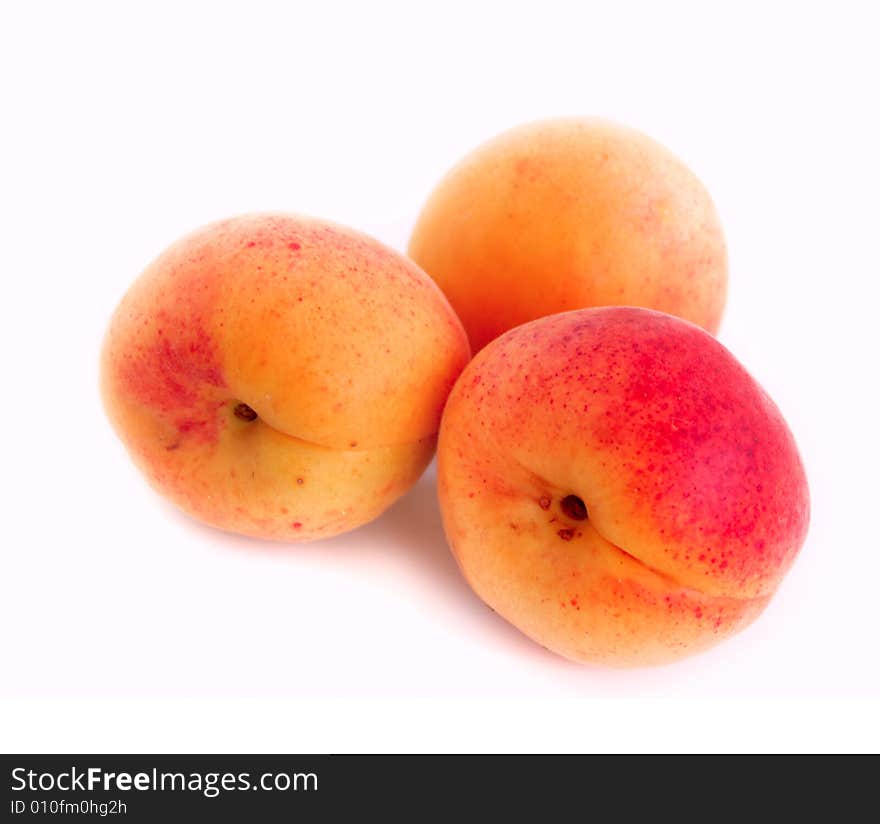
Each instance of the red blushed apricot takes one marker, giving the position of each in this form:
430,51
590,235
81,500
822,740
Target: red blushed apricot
280,376
567,214
615,484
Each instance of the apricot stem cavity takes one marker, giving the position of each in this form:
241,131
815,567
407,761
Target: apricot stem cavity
574,508
244,412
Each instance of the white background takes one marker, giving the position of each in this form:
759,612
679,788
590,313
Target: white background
126,125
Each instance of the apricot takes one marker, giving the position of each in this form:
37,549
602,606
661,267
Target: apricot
567,214
616,485
279,376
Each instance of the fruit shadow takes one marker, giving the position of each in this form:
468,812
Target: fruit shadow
413,528
409,532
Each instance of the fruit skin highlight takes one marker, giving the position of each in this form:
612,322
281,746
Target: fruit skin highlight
617,486
568,214
279,376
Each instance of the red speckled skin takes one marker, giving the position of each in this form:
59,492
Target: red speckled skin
345,350
696,496
566,214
